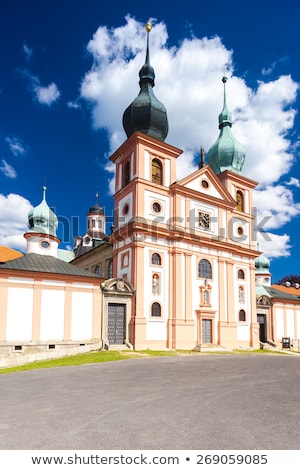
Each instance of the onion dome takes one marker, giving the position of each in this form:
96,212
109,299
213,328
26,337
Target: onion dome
262,264
226,153
41,219
146,113
96,209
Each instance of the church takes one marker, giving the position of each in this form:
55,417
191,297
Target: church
179,270
185,245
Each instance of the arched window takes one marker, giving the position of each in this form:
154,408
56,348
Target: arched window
156,259
242,315
110,269
155,310
204,269
157,171
239,201
241,274
127,173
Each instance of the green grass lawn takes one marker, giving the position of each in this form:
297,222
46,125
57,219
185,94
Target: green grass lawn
89,358
108,356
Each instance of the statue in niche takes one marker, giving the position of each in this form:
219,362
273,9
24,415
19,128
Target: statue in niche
241,295
205,297
155,284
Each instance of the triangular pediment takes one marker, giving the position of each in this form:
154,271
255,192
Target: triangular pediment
204,183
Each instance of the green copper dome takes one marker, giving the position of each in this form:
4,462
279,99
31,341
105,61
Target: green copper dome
262,264
226,153
41,219
146,113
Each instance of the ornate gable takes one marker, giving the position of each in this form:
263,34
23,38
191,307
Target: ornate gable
117,286
264,300
203,183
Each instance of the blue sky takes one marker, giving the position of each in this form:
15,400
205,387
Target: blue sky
70,68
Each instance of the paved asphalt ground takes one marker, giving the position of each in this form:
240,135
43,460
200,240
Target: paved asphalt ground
164,403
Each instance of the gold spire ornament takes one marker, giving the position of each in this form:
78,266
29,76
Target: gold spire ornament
148,26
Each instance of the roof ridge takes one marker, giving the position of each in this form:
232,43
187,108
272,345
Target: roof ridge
33,262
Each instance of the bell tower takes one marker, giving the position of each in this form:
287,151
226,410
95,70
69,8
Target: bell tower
145,164
145,169
96,223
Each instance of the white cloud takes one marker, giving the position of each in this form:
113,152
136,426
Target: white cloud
275,208
7,170
47,94
274,245
274,65
28,52
294,182
276,203
263,126
13,220
16,146
110,167
73,105
188,82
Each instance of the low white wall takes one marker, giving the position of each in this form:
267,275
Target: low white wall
41,352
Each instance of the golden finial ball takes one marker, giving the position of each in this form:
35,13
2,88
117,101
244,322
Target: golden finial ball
148,26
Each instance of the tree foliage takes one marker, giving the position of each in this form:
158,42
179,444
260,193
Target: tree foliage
292,278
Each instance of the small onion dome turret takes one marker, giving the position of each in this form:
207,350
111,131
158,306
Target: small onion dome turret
226,153
96,209
41,219
262,264
146,113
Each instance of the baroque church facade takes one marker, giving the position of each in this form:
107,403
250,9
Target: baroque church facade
186,246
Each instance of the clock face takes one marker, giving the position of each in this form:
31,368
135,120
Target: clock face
204,220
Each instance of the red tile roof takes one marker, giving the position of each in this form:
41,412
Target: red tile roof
287,290
8,254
